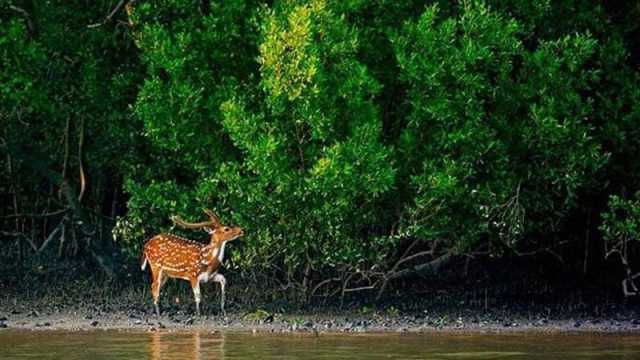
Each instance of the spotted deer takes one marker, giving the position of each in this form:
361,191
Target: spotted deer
170,256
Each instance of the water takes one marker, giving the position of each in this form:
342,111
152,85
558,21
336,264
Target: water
97,345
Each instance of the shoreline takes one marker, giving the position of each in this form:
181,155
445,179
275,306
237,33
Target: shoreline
347,322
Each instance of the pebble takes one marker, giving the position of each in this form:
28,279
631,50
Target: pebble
94,323
308,324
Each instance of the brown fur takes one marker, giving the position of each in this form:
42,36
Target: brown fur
171,256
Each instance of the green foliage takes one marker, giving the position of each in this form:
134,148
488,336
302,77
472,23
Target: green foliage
306,169
472,126
64,91
621,224
499,138
339,134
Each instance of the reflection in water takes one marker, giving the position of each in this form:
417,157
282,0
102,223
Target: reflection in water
185,345
203,344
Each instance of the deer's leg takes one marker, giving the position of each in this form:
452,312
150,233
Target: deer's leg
195,286
155,289
219,278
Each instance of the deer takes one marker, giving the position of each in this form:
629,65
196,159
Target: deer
171,256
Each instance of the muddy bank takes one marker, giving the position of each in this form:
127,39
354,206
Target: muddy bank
68,301
28,317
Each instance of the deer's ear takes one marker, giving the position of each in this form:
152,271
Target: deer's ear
208,230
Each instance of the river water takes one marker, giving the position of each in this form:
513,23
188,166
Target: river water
96,345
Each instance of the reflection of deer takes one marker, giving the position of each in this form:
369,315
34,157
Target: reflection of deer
195,346
171,256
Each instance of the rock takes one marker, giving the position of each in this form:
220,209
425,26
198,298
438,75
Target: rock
577,324
308,323
94,323
161,325
15,312
633,322
89,317
3,325
189,321
4,318
542,322
268,318
34,313
138,322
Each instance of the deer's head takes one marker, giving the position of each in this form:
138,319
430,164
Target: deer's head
219,233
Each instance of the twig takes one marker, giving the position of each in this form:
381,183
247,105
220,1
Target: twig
51,237
321,284
548,249
55,213
110,16
26,15
360,288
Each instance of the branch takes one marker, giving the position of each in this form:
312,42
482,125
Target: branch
110,16
51,237
548,249
26,15
55,213
431,266
361,288
321,284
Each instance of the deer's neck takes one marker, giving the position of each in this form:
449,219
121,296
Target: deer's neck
221,252
213,257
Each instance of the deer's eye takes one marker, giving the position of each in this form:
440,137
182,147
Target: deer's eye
226,229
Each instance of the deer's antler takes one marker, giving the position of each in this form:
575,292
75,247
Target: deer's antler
214,222
213,217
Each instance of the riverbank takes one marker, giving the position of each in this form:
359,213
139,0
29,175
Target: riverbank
66,300
30,317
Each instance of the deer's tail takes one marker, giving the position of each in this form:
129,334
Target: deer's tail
144,260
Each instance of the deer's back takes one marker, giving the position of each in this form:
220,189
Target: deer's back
174,254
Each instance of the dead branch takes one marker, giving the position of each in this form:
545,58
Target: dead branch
110,16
